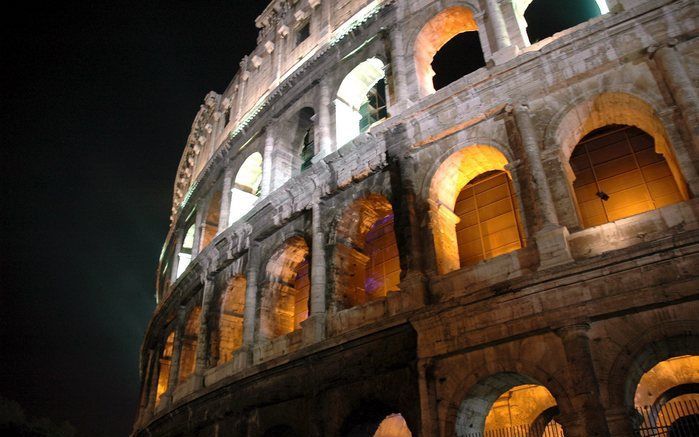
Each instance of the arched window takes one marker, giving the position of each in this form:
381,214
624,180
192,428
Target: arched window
508,404
229,336
188,355
474,209
361,100
454,34
618,173
489,222
543,18
213,214
246,189
286,291
164,365
667,398
367,265
185,254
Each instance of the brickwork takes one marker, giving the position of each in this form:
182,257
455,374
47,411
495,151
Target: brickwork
272,328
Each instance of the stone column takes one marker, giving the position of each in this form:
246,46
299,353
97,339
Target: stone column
225,199
429,416
267,166
551,238
504,50
198,228
324,126
683,91
204,338
405,211
172,381
589,419
179,238
146,386
401,99
314,326
250,312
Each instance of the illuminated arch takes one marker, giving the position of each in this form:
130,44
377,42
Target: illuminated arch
188,355
231,304
164,365
506,402
668,392
366,265
352,99
246,190
433,36
455,176
606,109
286,290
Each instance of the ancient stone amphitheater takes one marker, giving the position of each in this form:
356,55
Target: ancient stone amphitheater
363,245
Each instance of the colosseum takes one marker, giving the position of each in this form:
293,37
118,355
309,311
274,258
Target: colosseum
366,243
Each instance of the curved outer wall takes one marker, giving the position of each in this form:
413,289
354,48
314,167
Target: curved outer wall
578,310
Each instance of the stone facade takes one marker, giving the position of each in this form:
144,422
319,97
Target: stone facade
584,312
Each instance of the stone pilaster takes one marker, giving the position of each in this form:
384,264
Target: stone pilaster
198,230
250,313
551,238
166,399
324,125
314,326
683,92
589,418
267,164
406,220
225,199
503,48
401,98
204,338
147,386
429,416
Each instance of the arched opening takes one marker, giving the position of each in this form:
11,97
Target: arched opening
231,306
304,139
188,356
246,189
619,173
544,18
361,100
508,404
366,262
213,214
393,425
164,365
667,398
447,48
474,209
285,300
184,257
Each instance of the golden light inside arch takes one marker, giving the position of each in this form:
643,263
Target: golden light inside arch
664,376
454,173
437,32
615,108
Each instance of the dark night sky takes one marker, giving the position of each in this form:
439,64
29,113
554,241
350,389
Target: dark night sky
98,100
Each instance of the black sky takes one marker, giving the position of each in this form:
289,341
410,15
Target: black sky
98,100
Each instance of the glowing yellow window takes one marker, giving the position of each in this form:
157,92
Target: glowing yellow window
618,174
489,218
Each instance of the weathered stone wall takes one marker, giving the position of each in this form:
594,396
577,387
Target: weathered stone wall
581,312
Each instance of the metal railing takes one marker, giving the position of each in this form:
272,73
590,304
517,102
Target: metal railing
676,418
552,429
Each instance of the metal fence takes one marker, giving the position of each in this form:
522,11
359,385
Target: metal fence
552,429
677,418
